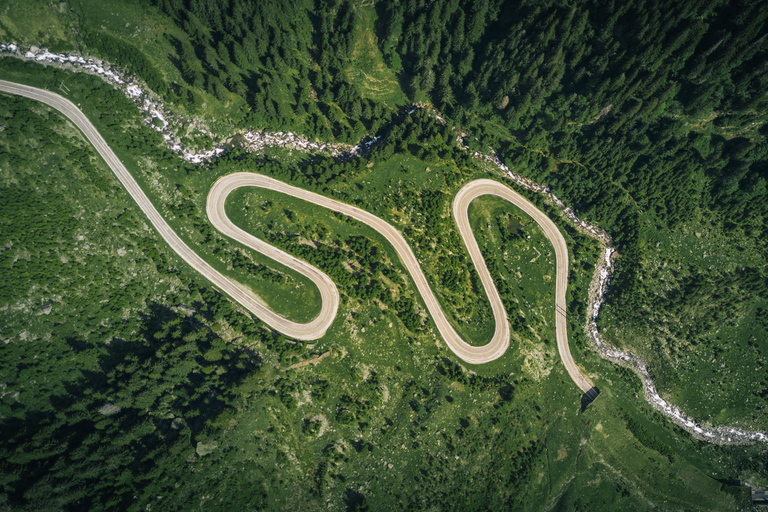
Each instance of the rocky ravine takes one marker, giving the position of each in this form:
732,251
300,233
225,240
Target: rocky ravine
169,124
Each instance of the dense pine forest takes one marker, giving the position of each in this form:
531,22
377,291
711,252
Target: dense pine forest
127,382
624,89
288,59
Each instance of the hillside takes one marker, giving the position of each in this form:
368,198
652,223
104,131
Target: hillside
648,119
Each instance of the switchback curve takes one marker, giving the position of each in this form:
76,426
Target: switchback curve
471,354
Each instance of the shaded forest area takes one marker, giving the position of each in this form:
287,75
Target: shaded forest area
286,58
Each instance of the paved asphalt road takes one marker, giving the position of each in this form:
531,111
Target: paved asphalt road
330,295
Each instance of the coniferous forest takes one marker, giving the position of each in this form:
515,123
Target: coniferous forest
128,382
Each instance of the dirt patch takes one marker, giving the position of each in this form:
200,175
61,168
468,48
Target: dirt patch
312,360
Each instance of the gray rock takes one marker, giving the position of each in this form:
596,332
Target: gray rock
109,409
204,449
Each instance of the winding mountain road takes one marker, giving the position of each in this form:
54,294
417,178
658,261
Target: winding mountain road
329,293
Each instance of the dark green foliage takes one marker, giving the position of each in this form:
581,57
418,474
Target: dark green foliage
418,134
406,311
286,390
128,56
538,54
629,377
264,272
647,439
286,58
173,367
452,370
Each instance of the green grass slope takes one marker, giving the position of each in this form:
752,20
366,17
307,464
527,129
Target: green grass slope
160,387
